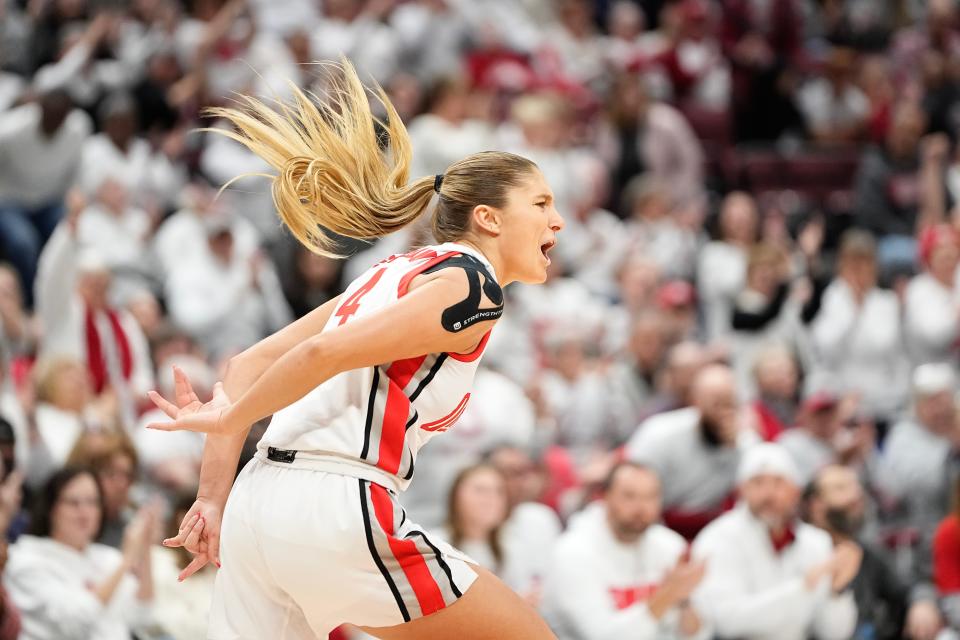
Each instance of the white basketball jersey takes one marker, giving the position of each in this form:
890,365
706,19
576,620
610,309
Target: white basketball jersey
381,416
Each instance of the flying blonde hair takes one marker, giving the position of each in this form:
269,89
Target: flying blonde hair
335,176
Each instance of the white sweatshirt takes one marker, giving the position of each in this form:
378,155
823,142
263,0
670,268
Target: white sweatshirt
931,313
752,592
49,583
863,346
597,587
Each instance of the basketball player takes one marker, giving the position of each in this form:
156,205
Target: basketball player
313,535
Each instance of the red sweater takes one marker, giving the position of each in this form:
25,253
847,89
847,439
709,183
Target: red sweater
946,556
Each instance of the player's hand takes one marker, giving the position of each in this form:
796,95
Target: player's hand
200,535
189,414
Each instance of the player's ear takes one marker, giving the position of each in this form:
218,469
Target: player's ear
487,219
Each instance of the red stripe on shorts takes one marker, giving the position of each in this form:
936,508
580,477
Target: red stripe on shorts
406,552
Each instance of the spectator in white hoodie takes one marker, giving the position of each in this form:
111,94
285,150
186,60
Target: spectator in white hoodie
770,576
931,305
616,573
66,586
857,333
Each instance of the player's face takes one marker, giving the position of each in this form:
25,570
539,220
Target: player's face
531,224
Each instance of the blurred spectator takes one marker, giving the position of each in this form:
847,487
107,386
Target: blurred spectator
834,108
762,40
10,623
674,387
931,304
826,434
643,135
17,333
446,132
695,452
531,527
355,28
777,380
114,461
572,49
64,412
937,33
887,194
65,584
914,464
946,561
183,607
633,377
40,146
857,333
433,35
225,297
597,247
654,229
887,608
150,178
617,573
768,574
78,318
477,512
311,280
118,231
698,72
722,263
86,63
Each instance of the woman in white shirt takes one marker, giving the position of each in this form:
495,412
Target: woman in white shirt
68,587
857,334
932,300
477,512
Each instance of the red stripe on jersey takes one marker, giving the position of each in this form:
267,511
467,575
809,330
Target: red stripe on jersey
401,371
393,430
447,421
413,273
476,353
405,551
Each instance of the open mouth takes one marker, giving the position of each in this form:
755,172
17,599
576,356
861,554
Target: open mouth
546,247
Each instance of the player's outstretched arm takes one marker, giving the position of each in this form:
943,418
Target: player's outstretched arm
419,323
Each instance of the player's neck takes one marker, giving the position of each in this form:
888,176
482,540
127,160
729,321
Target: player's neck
488,248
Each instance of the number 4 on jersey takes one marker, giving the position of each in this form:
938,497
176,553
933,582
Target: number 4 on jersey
352,304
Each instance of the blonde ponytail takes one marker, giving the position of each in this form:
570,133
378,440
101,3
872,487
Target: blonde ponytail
333,175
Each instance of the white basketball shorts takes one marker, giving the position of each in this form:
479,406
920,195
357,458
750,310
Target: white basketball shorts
304,551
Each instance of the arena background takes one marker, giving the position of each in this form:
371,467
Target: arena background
761,245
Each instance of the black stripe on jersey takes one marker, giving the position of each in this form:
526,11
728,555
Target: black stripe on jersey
369,424
376,557
411,421
409,473
443,563
426,380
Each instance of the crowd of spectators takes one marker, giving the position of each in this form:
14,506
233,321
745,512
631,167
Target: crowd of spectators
730,412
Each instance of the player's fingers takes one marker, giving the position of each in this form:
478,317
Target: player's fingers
195,565
163,404
185,392
185,528
192,543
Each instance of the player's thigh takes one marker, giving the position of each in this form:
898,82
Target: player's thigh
488,610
